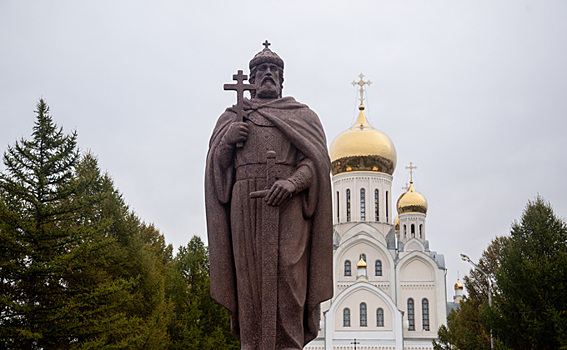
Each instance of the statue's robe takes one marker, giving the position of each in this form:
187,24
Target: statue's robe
305,227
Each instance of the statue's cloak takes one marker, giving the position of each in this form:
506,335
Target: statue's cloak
304,130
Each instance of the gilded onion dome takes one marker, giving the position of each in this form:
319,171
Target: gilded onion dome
458,285
362,148
412,202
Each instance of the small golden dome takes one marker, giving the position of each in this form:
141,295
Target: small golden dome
361,263
397,223
363,148
458,285
412,202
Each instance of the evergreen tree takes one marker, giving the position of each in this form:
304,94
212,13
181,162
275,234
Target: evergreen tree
530,311
199,322
78,270
35,189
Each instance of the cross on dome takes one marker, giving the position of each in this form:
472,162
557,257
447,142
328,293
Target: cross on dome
411,167
266,43
361,83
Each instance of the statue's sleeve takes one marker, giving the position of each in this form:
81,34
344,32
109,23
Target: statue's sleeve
221,162
303,176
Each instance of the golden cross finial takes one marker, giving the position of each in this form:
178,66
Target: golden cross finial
361,83
411,167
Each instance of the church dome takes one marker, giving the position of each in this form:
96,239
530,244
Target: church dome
362,148
458,285
361,263
412,202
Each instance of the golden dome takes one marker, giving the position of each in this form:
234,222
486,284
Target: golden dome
397,223
412,202
458,285
362,148
361,263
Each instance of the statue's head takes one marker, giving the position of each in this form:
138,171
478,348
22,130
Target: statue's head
266,72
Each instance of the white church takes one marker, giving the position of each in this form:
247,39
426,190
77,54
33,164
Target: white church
389,287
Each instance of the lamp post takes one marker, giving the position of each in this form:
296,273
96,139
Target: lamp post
467,259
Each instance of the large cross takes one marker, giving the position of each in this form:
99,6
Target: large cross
411,167
361,83
240,87
266,44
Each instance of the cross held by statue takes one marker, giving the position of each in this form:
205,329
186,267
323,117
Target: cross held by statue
240,87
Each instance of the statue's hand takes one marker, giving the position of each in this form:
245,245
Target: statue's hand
237,132
281,191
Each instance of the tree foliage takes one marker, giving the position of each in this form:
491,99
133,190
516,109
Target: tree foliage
529,270
465,329
199,322
78,270
530,310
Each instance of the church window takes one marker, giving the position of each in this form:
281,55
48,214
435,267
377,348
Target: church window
425,313
420,230
363,318
380,317
411,315
348,204
338,208
376,207
405,231
347,267
378,268
387,215
362,256
362,204
346,317
412,230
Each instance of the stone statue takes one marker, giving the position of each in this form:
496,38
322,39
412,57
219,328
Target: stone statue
268,204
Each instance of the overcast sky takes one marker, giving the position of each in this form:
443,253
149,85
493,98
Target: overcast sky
472,92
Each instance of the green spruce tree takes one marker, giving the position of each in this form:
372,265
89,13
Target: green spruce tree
530,310
78,270
199,322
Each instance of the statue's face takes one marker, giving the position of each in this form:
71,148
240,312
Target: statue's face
268,81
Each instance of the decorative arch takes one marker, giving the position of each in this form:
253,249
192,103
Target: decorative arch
426,260
397,321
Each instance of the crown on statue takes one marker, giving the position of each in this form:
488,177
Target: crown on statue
266,56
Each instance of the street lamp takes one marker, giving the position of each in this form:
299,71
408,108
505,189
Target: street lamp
467,259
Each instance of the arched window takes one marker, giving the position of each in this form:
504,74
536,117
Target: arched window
362,256
346,317
405,231
378,268
380,317
338,208
347,267
362,204
411,315
420,230
363,318
425,313
412,230
348,204
376,207
387,215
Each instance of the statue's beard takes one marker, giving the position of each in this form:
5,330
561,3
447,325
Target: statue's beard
268,88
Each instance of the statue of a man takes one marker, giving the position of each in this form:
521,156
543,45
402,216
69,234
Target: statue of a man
270,253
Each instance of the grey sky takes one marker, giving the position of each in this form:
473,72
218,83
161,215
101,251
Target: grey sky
473,92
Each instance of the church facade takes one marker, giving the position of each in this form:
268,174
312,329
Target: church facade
389,287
